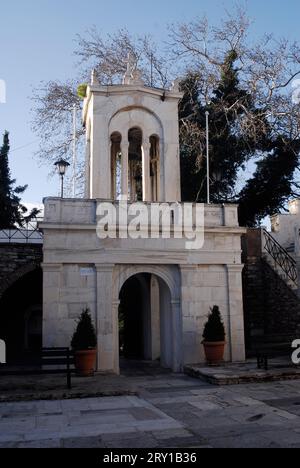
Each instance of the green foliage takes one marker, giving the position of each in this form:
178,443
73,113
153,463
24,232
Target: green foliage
84,337
270,187
228,152
230,149
81,90
214,329
12,212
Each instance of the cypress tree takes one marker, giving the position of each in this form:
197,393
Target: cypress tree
12,212
228,152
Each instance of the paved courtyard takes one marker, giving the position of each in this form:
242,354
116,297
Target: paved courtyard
170,411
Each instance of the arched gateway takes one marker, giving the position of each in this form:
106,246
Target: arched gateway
21,301
21,315
149,314
150,294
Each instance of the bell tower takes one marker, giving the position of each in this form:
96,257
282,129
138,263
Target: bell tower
132,146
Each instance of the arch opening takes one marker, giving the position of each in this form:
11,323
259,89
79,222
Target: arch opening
21,317
145,321
116,166
154,168
135,139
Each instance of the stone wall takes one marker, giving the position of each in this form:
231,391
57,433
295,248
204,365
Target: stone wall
83,270
68,290
202,288
16,260
254,300
271,307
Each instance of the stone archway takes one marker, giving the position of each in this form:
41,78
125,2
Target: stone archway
16,275
162,329
23,336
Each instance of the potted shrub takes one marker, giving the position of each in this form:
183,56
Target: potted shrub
84,345
214,337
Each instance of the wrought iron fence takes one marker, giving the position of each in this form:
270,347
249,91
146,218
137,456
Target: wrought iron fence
27,234
281,257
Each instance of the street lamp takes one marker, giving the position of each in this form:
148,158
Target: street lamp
61,167
207,157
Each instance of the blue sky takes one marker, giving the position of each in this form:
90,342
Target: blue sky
37,42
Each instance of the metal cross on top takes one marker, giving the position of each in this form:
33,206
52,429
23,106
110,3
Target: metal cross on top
130,67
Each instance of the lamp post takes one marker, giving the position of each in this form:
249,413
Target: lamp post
207,157
74,150
62,166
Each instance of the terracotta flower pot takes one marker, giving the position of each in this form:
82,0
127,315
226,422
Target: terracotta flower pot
214,351
85,362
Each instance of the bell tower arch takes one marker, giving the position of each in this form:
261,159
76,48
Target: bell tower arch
132,146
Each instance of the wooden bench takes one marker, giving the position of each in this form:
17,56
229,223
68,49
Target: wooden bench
264,355
272,346
50,361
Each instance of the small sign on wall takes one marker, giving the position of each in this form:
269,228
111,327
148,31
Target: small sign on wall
87,271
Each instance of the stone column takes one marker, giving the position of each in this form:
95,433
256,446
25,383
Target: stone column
155,318
100,158
107,322
236,334
146,171
124,165
113,171
161,185
116,344
53,334
88,169
177,336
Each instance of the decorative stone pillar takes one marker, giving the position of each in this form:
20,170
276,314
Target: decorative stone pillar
107,322
235,334
177,336
161,185
146,171
125,168
113,171
88,169
116,344
155,318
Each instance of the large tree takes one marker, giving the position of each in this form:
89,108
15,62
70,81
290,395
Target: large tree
231,148
12,212
245,85
229,151
272,184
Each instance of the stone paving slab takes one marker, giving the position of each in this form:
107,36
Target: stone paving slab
38,429
49,387
241,373
251,415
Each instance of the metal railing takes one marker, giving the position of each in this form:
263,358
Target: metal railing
281,257
27,234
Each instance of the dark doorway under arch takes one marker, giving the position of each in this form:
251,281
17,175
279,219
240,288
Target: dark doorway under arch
131,320
21,317
145,321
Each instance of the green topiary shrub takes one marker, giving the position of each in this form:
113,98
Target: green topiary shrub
81,90
214,329
84,337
